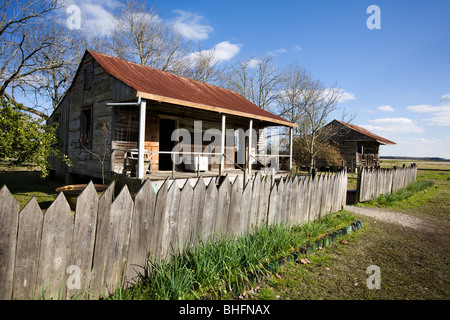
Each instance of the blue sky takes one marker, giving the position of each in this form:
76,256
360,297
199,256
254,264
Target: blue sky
395,79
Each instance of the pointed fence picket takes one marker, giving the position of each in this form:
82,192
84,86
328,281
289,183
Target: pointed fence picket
27,250
107,242
374,182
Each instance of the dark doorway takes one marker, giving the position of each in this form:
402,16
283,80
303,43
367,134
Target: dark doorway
166,127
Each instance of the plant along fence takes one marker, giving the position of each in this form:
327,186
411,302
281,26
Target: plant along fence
107,242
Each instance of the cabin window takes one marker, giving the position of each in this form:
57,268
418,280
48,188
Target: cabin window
86,127
88,76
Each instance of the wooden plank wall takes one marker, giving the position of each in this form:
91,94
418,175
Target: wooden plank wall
107,241
374,182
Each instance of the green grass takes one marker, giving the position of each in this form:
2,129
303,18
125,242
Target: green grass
24,184
413,262
428,197
414,266
415,193
226,266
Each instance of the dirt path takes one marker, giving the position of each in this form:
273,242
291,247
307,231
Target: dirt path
392,217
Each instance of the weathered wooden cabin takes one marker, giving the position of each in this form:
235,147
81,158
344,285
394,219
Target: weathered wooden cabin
128,112
357,146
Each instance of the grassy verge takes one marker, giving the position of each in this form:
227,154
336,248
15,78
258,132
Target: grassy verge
413,262
428,197
414,194
225,267
24,184
412,267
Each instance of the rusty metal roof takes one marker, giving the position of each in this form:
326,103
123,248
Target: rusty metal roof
365,132
163,86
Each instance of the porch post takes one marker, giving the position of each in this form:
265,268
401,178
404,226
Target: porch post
222,147
250,138
291,139
141,139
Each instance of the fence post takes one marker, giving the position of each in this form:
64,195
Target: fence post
141,230
27,251
84,236
55,251
198,206
9,215
96,284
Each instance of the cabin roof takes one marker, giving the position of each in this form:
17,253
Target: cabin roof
363,131
161,86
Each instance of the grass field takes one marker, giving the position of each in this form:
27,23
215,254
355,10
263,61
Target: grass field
25,183
413,262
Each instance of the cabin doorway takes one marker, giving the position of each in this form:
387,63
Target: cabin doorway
166,127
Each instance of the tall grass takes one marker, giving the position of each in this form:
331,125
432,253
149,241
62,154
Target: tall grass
388,200
226,265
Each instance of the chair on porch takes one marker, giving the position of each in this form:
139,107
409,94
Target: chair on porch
130,162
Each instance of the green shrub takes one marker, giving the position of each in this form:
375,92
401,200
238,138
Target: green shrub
228,264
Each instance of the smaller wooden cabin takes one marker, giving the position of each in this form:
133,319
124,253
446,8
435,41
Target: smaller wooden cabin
357,146
129,112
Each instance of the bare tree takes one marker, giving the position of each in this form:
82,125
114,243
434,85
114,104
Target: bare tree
22,39
38,56
65,50
255,79
204,67
140,35
294,83
307,102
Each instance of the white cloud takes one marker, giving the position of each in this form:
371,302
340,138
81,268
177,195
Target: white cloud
226,50
282,50
423,108
440,114
346,96
223,51
441,118
445,98
97,17
253,63
385,108
297,48
393,125
417,147
190,26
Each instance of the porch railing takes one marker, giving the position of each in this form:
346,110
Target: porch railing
198,154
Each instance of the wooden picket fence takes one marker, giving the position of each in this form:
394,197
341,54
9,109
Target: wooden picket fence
374,182
106,242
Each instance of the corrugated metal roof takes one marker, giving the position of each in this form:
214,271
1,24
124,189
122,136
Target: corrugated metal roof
157,85
365,132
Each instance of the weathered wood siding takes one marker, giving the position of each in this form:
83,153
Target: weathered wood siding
356,149
123,124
